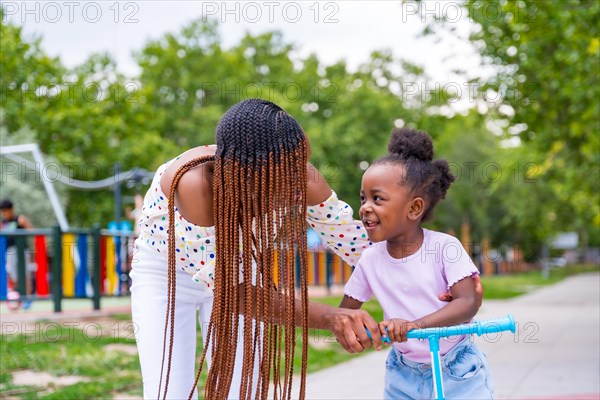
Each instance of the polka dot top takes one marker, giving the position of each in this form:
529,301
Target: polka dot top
339,231
195,245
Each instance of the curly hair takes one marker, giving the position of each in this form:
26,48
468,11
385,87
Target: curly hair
259,201
429,179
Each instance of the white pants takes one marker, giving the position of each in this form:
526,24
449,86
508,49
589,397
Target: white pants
148,307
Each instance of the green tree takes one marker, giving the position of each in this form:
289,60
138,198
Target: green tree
91,116
25,73
545,88
86,119
189,81
548,56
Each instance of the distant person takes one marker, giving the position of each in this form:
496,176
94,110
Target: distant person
133,214
10,222
409,266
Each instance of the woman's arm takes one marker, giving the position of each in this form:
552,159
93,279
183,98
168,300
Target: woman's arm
333,220
348,325
318,189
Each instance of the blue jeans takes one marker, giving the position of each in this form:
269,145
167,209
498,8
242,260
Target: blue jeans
464,373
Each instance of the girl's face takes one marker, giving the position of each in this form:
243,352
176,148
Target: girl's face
387,207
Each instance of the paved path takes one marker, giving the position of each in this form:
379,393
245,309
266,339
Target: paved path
555,353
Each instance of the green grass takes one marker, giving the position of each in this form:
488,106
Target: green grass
121,317
62,350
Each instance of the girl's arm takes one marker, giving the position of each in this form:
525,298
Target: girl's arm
462,308
478,291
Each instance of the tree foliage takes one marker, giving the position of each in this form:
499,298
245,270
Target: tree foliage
544,92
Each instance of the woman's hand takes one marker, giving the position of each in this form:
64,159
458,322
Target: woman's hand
478,292
348,326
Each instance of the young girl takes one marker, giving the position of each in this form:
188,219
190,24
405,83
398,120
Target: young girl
409,266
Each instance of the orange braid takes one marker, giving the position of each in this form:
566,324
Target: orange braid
172,270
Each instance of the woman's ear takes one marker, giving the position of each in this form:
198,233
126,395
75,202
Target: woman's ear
417,208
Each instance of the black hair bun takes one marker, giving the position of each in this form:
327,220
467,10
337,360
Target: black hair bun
445,175
409,143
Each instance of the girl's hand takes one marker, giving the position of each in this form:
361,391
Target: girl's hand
396,329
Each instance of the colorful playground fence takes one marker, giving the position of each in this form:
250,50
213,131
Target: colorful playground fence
79,263
95,263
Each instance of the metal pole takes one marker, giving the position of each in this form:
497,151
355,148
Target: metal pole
57,269
436,366
3,278
118,199
298,270
545,262
21,266
96,266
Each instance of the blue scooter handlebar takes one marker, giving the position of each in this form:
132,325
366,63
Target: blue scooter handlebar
476,327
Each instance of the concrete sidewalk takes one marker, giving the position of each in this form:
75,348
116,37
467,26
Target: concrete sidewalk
555,353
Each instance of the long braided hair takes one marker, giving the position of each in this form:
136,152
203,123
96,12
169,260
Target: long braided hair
259,200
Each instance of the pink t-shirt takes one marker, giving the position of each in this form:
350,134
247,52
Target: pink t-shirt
408,288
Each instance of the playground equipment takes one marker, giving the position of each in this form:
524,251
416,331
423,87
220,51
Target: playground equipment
433,335
135,176
34,149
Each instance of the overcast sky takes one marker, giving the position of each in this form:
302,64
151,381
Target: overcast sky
347,30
